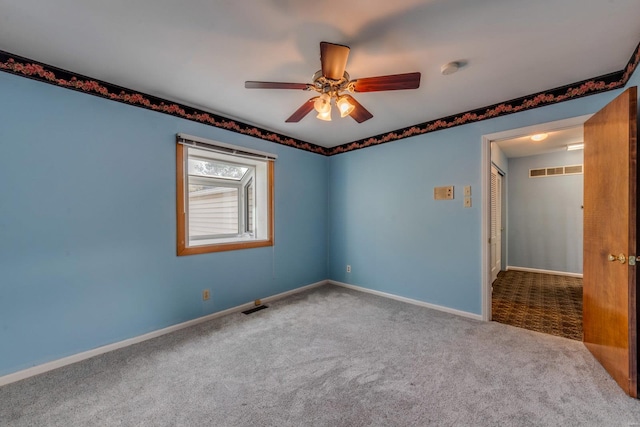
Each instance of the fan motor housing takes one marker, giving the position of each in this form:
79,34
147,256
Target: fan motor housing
324,84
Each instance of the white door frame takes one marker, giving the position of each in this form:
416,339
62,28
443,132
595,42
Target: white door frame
485,170
497,241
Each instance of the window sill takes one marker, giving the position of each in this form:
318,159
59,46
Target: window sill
222,240
233,245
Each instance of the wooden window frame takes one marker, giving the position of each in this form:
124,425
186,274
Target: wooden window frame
182,235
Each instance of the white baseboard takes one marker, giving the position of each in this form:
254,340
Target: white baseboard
291,292
409,300
54,364
537,270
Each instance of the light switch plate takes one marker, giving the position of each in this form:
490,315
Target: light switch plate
467,202
443,193
467,190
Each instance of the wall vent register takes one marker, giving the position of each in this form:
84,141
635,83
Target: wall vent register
556,171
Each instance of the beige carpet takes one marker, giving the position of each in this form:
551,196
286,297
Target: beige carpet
539,302
330,357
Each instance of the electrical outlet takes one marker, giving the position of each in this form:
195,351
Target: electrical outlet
348,269
206,294
257,302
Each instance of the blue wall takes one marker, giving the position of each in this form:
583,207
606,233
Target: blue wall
384,222
88,225
545,214
87,221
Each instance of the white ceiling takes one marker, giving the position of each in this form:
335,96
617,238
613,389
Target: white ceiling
200,52
556,140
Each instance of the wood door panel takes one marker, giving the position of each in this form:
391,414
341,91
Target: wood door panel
609,308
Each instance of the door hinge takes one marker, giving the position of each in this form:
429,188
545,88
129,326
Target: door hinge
632,259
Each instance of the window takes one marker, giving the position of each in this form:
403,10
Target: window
250,211
224,197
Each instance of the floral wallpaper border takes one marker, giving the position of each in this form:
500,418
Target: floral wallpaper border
45,73
38,71
565,93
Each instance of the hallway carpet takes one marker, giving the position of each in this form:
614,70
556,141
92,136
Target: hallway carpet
539,302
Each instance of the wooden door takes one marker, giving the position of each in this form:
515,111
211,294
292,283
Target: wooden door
496,223
609,301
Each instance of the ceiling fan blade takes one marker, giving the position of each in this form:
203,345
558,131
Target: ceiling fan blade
302,111
333,58
275,85
359,114
392,82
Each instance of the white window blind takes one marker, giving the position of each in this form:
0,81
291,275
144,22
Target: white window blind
222,148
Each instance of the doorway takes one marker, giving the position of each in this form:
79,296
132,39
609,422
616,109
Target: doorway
541,286
610,225
541,268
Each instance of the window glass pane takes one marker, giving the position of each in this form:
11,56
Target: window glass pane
213,210
250,208
225,201
216,169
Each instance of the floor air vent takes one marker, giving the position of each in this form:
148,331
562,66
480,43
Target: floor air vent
253,310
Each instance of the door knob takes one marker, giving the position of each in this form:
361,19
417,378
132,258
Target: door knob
620,258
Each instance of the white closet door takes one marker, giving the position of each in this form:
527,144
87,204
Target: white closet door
496,223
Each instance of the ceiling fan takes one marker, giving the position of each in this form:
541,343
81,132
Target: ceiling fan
332,81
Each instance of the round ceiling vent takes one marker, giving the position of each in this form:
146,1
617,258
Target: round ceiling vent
450,68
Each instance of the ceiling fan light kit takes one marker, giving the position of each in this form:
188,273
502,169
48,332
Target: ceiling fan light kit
345,107
332,81
322,104
326,116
